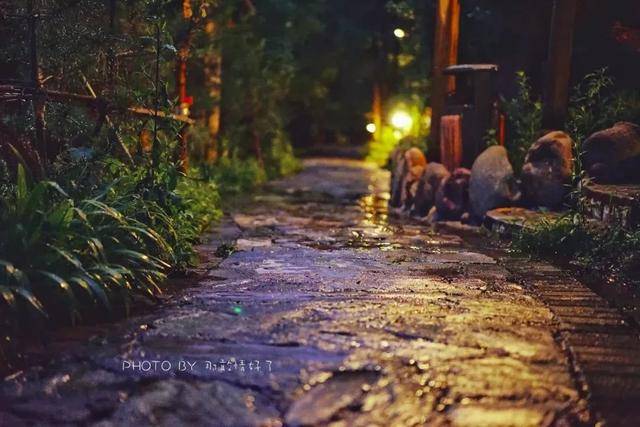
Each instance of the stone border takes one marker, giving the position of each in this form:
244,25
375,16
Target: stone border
508,221
603,347
613,204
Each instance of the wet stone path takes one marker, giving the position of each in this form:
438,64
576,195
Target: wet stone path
330,314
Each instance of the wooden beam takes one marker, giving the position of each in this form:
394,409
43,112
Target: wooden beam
16,92
124,151
556,96
445,53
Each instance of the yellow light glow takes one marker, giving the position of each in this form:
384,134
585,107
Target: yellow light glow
401,120
399,33
371,128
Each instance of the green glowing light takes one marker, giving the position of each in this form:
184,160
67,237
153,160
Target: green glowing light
401,120
237,309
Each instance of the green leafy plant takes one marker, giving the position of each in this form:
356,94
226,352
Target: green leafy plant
608,251
524,121
62,257
91,229
234,176
66,258
590,109
593,106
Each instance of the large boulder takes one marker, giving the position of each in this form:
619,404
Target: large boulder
407,168
452,197
427,188
398,172
612,156
547,170
492,184
416,162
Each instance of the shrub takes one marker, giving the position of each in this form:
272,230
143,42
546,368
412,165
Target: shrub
607,251
524,119
66,257
61,257
592,107
235,176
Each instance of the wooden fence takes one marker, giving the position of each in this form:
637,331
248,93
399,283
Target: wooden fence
34,90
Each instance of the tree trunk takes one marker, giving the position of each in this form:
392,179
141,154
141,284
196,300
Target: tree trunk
377,110
181,84
213,81
556,97
445,53
38,101
257,146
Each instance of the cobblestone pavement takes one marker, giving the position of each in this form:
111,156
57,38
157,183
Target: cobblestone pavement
330,314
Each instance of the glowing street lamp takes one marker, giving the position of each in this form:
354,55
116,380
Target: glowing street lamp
401,120
371,128
399,33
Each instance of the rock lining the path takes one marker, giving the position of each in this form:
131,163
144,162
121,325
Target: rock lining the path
612,156
547,171
430,181
492,182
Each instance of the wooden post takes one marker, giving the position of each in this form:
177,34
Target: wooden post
111,53
376,109
183,149
155,147
213,79
38,100
556,97
445,53
110,69
181,84
380,81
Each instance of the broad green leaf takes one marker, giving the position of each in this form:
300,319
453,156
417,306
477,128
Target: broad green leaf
93,288
22,189
32,300
67,256
7,295
61,283
62,214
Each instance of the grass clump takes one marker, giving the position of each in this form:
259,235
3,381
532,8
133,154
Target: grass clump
612,252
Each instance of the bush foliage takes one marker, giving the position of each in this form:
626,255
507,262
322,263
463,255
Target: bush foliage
593,106
610,252
85,230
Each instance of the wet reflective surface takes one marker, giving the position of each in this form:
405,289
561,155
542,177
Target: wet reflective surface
329,313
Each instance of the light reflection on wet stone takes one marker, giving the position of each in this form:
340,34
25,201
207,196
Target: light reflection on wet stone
366,322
